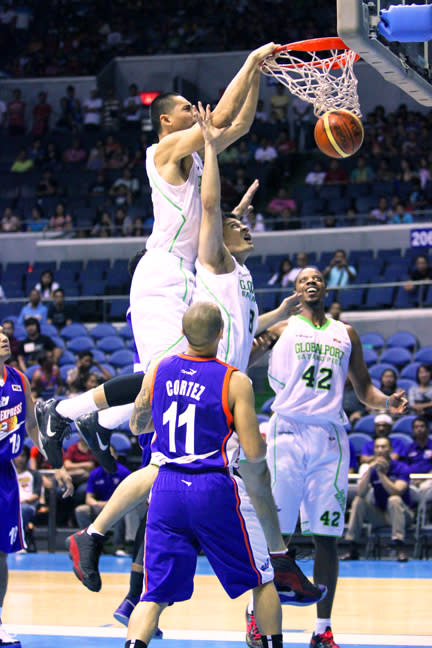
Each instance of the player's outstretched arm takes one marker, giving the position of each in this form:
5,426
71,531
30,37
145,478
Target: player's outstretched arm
212,252
364,388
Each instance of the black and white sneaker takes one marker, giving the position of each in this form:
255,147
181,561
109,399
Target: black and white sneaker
98,440
52,429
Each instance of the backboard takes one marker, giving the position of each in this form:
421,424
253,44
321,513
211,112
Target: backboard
406,65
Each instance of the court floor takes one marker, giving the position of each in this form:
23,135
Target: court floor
379,603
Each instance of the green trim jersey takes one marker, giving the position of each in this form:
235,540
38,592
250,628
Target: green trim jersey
176,210
307,370
234,293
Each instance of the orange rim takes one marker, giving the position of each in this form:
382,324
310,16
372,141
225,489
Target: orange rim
317,45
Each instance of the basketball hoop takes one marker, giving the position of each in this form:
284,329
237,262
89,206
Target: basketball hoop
329,83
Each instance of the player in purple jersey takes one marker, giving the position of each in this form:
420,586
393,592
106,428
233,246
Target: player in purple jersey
196,401
16,417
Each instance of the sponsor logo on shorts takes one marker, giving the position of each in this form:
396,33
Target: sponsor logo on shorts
265,565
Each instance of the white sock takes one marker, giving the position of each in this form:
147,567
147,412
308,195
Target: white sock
250,607
91,530
321,625
75,407
112,417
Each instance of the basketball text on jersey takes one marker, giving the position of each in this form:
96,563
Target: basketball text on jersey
247,290
318,351
11,412
184,388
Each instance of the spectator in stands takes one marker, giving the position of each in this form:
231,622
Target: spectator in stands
383,427
92,111
338,273
287,220
384,173
422,272
423,172
418,455
351,405
122,223
73,109
10,221
284,144
253,220
279,103
261,114
76,378
119,159
96,157
60,313
75,154
417,198
316,176
127,180
79,462
34,344
335,311
33,309
279,202
335,174
382,213
37,222
30,488
406,172
388,382
383,499
102,225
52,159
60,221
47,185
41,115
420,395
9,331
302,124
302,261
22,163
362,172
100,487
98,187
111,111
132,108
283,277
16,114
400,214
36,152
46,381
266,152
229,155
46,285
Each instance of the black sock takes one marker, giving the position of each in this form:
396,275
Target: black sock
135,584
135,643
272,641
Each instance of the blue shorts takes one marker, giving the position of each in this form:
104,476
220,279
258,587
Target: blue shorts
11,529
191,511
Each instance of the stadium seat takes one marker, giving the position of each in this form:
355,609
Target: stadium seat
70,440
406,383
30,371
73,330
351,298
67,357
102,330
376,371
121,358
65,368
398,356
410,371
424,355
121,443
358,440
128,369
125,332
118,309
110,343
91,286
366,425
405,299
372,340
379,297
58,341
98,355
48,329
406,440
370,356
80,343
404,424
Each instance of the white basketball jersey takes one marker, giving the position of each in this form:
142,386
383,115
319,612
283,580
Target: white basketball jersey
307,370
234,293
176,210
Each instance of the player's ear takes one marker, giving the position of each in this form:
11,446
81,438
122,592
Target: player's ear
165,120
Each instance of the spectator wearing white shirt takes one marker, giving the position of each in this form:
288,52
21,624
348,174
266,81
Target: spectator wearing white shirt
92,109
265,152
132,108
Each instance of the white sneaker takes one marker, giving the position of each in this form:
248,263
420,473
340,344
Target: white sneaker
119,552
6,639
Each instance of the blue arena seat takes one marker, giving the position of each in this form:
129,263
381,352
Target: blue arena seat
65,368
70,440
80,343
102,330
110,343
404,424
121,443
376,371
406,440
424,355
73,330
366,425
358,440
372,340
410,371
406,383
121,358
379,297
370,356
48,329
398,356
67,357
125,332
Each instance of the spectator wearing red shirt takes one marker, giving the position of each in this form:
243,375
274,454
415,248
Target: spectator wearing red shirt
16,114
41,115
335,174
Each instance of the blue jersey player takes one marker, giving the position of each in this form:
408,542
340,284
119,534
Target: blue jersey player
196,402
16,417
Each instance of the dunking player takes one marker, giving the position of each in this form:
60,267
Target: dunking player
223,277
196,401
307,441
16,416
162,286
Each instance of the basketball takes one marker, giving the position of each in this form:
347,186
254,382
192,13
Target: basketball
339,133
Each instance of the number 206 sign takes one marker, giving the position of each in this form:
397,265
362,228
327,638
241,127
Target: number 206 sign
421,237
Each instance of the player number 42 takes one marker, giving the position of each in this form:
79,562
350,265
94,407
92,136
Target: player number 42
330,518
323,379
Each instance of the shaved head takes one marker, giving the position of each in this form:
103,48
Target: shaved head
202,324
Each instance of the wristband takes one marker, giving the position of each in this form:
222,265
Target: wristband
387,402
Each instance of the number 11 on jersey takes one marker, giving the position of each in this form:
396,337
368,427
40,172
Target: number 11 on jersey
186,418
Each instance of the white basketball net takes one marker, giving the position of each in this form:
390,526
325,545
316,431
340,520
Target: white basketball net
321,82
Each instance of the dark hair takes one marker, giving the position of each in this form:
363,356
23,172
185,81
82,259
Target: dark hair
9,321
422,419
162,104
423,366
133,261
25,450
32,320
59,290
84,354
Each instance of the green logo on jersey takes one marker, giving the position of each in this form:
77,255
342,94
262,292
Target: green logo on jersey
317,351
247,290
